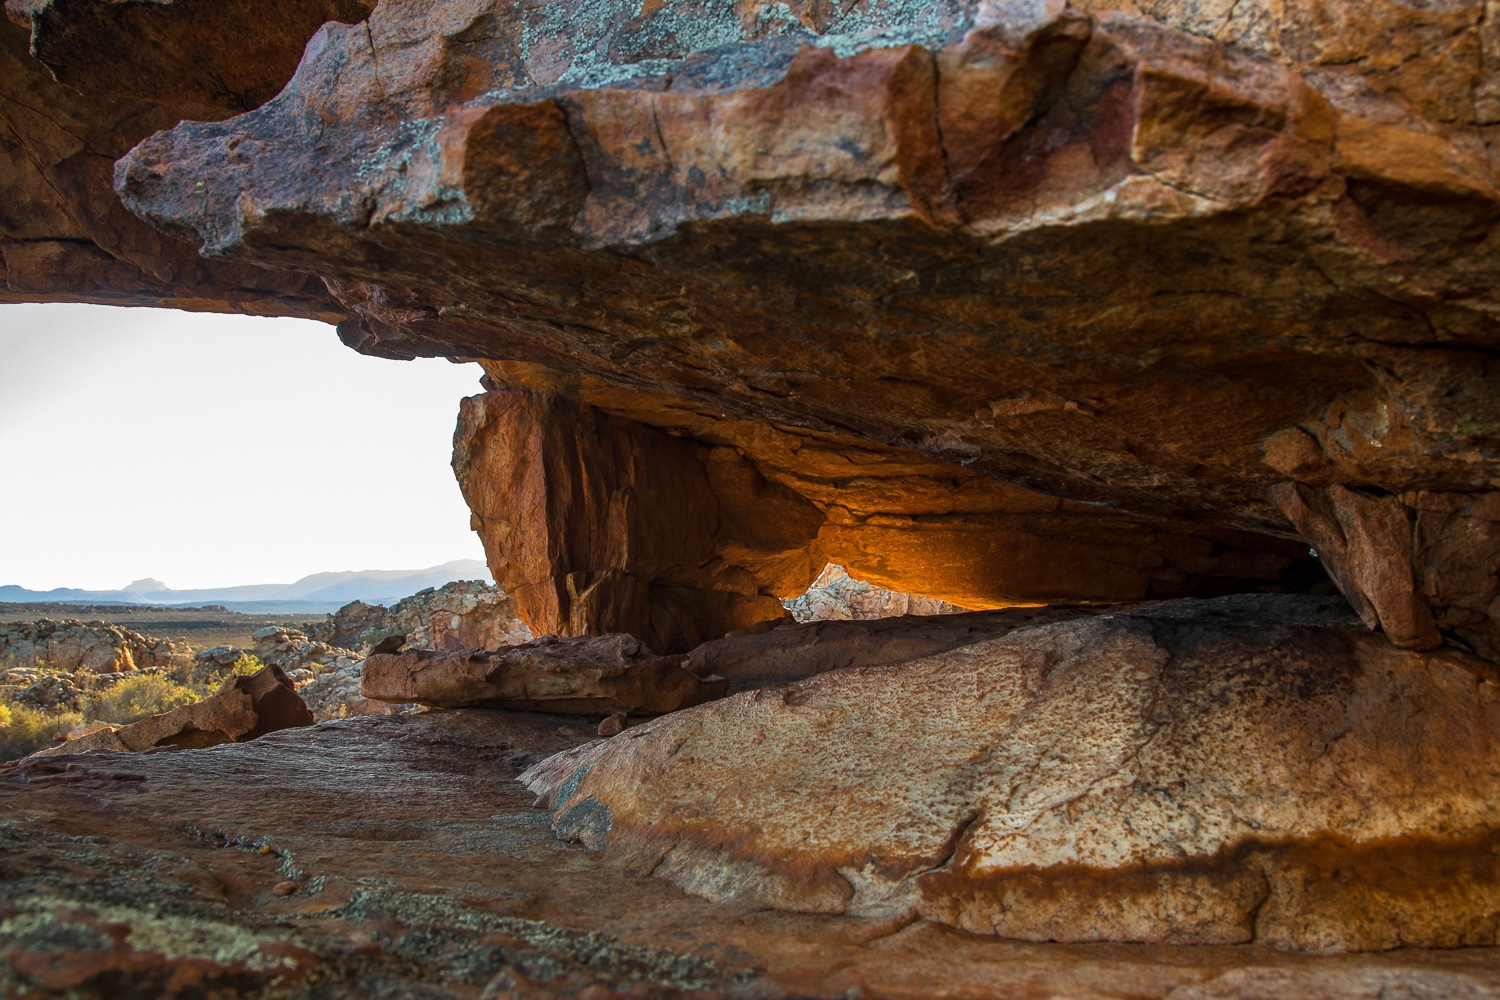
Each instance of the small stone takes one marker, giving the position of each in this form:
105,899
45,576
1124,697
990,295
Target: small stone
286,888
613,726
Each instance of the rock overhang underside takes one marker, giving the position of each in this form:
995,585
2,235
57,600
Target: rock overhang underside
1092,273
1001,303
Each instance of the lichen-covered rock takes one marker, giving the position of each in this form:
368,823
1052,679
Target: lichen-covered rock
1142,257
244,708
588,675
334,693
1254,768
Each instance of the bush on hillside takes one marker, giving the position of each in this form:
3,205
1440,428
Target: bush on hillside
26,730
138,697
248,664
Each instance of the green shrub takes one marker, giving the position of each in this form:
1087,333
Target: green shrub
26,730
369,638
248,664
138,697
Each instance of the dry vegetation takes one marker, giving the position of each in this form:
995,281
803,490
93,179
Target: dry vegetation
25,729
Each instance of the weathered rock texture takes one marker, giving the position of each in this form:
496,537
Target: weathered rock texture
592,675
431,875
1256,768
835,595
92,647
1079,282
93,79
244,708
793,650
1020,300
466,614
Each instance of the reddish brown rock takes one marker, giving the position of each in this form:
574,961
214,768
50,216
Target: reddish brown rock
431,875
243,709
594,524
109,75
1113,253
590,675
1255,768
792,651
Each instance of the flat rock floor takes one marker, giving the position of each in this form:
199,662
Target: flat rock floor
422,870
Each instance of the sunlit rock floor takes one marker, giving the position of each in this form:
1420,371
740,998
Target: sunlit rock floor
422,870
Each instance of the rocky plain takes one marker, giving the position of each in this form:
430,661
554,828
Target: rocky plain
987,498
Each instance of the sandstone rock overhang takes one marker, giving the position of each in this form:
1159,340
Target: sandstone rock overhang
1147,260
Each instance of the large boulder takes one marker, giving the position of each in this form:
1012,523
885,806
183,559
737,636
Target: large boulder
1254,768
995,301
244,708
791,651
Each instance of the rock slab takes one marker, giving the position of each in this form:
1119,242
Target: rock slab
243,709
1249,769
587,675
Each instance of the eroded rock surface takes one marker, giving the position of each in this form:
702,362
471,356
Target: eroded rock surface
465,614
1023,300
93,647
794,650
433,876
835,595
1105,252
590,675
1255,768
243,709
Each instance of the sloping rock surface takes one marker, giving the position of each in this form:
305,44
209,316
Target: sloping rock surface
792,651
243,709
432,876
1255,768
589,675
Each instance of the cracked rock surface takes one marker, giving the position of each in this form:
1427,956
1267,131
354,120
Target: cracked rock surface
418,867
1253,768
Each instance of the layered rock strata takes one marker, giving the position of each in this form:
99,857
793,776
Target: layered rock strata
431,875
1147,259
596,524
1253,768
593,675
1117,256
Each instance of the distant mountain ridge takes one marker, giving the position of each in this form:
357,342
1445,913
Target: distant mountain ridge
373,586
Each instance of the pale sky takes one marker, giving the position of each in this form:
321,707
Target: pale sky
210,451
